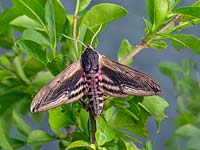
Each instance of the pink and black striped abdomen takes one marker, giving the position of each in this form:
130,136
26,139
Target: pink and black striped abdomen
94,94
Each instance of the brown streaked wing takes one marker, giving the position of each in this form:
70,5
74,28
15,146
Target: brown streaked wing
66,87
119,78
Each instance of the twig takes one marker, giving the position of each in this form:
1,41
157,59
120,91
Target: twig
145,44
75,28
92,124
92,121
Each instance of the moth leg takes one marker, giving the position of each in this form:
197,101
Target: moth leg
84,104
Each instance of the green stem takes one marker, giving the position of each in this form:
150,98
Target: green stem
92,123
145,44
75,29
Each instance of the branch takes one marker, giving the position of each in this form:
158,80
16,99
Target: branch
92,124
145,44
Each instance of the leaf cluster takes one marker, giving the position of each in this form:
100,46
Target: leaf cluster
187,88
41,52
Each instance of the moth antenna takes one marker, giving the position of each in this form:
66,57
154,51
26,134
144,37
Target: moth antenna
95,34
74,40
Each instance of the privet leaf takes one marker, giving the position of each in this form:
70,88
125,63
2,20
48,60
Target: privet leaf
33,35
84,118
158,45
180,41
156,13
24,21
123,121
39,137
6,17
19,69
104,132
156,106
77,144
102,13
83,4
59,118
148,26
11,97
188,130
3,140
33,49
33,9
7,38
16,143
125,49
189,10
55,17
57,64
193,143
20,124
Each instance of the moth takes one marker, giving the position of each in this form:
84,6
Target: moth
92,76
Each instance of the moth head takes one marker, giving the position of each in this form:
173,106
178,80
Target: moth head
89,59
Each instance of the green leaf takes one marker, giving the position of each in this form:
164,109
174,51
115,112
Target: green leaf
26,22
158,45
39,137
104,132
197,3
20,124
189,10
6,122
127,111
56,65
77,144
55,17
3,140
16,143
124,122
7,38
102,13
83,4
84,117
149,145
173,4
180,41
126,136
7,16
42,78
169,69
33,49
188,130
156,13
125,49
11,97
32,66
4,61
32,35
148,26
193,143
19,69
32,9
156,106
59,118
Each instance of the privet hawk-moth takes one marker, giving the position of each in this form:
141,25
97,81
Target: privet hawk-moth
92,76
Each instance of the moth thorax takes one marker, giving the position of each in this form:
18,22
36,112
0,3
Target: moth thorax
89,60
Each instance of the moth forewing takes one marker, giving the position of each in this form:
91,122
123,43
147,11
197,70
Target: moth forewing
120,79
66,87
93,75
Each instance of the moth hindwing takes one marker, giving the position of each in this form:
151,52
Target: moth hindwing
92,76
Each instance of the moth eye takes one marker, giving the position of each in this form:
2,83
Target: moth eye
88,67
95,67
